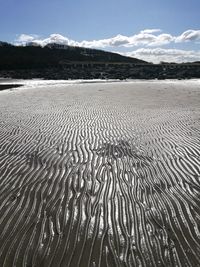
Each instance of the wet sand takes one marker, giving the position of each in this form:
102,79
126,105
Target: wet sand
8,86
100,175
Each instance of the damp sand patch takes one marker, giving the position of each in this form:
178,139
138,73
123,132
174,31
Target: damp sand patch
9,86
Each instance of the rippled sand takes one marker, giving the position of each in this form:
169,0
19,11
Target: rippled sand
100,175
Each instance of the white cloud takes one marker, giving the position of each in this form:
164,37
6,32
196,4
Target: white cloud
162,39
149,42
157,55
56,38
142,39
151,31
189,35
53,38
25,38
147,37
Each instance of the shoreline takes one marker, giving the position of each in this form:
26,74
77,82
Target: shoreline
9,84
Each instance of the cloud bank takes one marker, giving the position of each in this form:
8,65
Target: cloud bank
150,42
148,37
156,55
187,36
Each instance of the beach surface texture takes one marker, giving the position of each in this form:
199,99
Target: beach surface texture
100,174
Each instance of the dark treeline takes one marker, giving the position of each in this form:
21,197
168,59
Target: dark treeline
31,57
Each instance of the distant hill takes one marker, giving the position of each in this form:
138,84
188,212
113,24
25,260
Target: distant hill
4,44
54,55
57,61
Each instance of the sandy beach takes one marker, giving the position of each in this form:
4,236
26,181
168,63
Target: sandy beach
100,174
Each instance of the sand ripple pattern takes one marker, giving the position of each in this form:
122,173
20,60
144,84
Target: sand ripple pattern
100,175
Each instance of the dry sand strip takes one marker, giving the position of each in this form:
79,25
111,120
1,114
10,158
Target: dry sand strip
100,175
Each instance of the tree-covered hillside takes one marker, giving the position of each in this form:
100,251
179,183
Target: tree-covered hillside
32,57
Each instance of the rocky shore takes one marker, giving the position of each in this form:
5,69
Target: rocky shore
107,71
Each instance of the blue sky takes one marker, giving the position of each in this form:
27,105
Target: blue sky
89,20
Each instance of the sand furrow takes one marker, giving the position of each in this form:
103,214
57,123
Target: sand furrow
100,175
